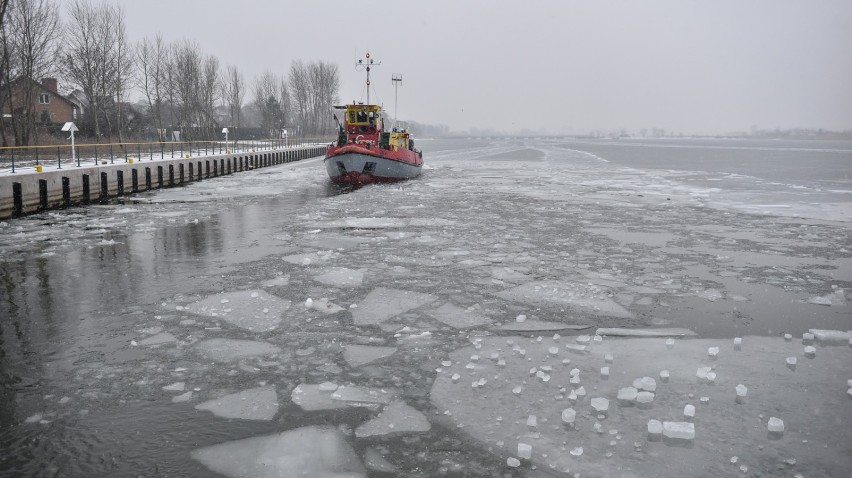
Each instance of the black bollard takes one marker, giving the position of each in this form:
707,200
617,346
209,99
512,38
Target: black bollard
119,181
17,199
66,191
42,194
87,196
104,188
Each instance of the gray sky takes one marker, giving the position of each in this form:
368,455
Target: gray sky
564,66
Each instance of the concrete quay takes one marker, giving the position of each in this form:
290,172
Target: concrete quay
31,192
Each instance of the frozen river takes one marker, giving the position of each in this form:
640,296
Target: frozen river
271,324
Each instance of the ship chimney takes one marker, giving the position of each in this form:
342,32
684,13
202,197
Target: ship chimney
50,84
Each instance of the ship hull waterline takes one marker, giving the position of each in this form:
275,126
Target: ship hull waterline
360,168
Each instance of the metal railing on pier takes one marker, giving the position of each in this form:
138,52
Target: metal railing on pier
13,158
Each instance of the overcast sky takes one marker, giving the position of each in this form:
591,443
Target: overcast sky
564,66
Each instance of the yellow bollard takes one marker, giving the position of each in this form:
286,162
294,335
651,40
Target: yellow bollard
39,168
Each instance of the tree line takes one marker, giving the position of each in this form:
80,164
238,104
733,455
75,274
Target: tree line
182,87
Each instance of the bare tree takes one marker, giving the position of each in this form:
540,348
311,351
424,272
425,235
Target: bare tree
234,91
30,42
151,64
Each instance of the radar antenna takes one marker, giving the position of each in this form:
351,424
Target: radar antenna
366,65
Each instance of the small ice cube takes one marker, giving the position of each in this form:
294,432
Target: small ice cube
810,351
742,393
655,429
524,451
608,358
738,343
713,352
568,416
791,362
670,343
775,425
689,411
532,421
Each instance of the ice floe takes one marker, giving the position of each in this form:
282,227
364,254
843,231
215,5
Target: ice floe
226,350
341,277
254,310
458,317
254,404
397,417
590,299
382,303
307,451
357,355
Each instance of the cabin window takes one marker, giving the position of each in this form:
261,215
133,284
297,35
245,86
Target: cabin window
44,98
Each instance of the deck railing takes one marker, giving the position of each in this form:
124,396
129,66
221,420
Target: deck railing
17,157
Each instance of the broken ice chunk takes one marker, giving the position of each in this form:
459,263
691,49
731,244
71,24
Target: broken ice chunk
775,427
627,396
831,337
568,416
679,431
655,430
600,405
644,399
791,363
742,393
524,451
645,383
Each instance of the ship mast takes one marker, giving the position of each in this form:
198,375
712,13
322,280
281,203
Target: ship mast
367,64
397,79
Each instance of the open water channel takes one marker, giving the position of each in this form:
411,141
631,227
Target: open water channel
271,324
